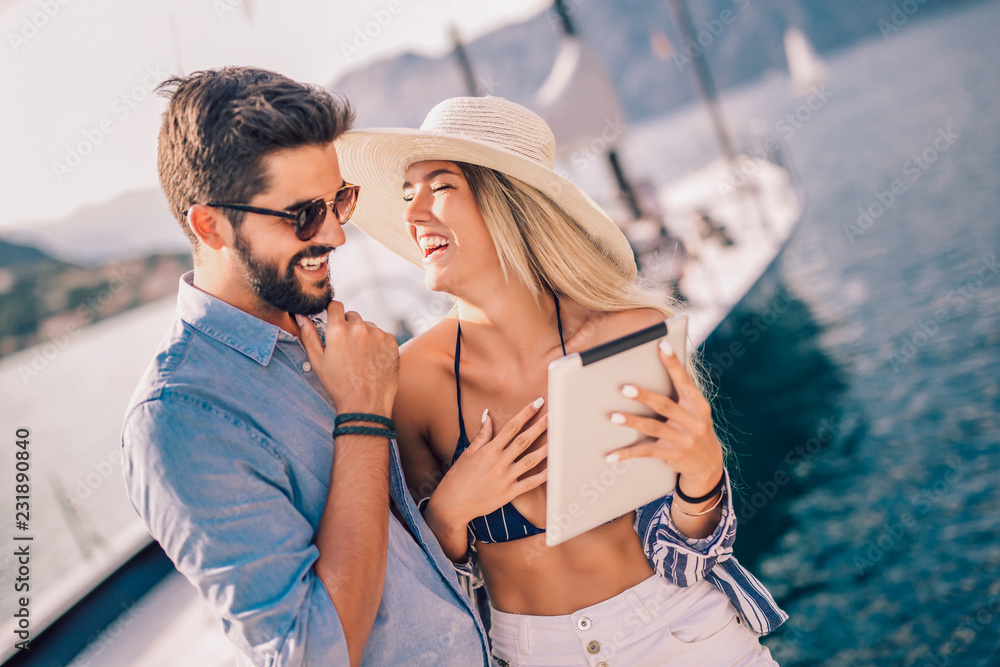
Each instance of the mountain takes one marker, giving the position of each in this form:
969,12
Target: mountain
15,256
131,225
45,299
743,40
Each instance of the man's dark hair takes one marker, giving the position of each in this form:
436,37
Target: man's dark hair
221,123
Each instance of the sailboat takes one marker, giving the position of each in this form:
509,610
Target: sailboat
720,227
805,67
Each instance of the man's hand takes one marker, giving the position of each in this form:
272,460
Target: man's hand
359,367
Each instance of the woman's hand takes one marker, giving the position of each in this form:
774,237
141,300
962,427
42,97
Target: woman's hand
486,477
686,439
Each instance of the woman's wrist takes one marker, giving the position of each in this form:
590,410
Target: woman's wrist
699,520
445,527
706,486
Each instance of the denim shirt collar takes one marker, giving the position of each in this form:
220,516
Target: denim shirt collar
245,333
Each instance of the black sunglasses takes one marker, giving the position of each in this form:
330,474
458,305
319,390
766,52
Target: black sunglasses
308,218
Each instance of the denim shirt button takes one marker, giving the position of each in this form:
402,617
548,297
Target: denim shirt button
306,367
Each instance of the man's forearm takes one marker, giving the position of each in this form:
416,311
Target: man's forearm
353,535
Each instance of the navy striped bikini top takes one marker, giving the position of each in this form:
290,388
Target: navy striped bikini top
506,523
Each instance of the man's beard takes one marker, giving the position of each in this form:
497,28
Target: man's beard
283,292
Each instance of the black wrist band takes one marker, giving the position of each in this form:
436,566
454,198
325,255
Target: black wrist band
700,499
364,430
363,417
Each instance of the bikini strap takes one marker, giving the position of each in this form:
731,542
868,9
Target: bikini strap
559,324
458,382
458,358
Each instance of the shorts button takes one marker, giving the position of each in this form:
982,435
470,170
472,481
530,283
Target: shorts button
594,647
583,623
306,367
602,664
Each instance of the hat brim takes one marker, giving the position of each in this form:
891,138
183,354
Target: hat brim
377,160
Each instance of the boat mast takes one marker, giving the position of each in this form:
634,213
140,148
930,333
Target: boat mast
567,22
625,188
706,86
462,56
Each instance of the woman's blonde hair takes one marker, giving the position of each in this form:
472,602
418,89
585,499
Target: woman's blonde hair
544,249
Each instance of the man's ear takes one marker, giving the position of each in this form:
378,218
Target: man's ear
211,227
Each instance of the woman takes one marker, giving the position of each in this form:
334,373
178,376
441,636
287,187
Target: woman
537,270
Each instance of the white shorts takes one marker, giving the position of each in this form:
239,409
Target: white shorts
654,624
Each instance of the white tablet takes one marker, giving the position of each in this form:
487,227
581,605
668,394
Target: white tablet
584,490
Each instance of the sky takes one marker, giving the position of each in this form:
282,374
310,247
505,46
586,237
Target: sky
78,120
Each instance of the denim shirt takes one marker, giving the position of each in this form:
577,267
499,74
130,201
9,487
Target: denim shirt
227,453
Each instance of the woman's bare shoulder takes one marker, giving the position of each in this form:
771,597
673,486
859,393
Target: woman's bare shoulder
425,374
604,327
426,361
431,345
626,321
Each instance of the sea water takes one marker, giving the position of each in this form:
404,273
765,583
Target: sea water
862,402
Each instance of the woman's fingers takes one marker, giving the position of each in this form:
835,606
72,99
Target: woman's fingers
649,449
666,439
531,459
510,430
654,428
660,404
671,431
492,462
485,433
682,382
530,482
517,422
524,439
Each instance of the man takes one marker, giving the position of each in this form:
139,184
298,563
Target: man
307,546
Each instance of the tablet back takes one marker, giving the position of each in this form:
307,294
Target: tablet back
583,490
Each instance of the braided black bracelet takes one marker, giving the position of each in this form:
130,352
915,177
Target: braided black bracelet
364,430
700,499
363,417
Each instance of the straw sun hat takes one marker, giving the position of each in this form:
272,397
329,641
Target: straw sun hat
487,131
